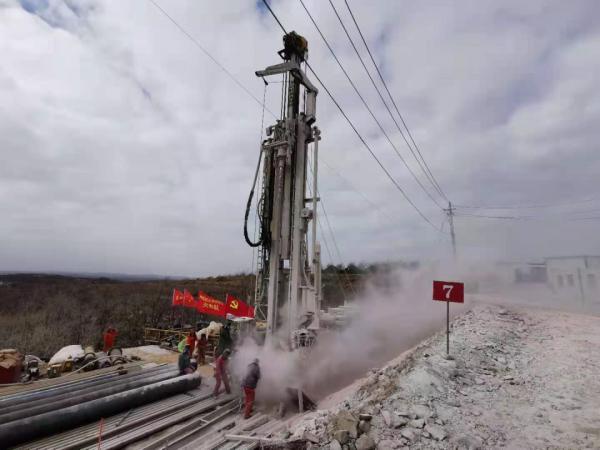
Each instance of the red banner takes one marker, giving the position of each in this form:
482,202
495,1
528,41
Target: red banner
177,298
209,305
188,299
238,308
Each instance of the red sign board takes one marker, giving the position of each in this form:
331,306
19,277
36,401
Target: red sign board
449,291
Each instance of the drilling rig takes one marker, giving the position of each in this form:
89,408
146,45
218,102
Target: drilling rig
288,278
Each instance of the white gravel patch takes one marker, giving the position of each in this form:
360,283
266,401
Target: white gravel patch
520,378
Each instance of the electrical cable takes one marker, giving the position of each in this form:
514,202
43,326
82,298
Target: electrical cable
211,57
337,248
419,163
381,165
319,223
366,105
387,173
439,188
542,205
352,187
339,280
566,216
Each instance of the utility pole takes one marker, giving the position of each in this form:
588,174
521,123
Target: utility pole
450,212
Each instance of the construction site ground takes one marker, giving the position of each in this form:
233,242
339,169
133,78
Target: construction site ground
520,378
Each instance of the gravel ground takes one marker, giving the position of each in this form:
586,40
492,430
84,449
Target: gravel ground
520,379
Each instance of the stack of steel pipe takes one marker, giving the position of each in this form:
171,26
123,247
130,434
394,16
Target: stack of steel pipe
37,413
135,424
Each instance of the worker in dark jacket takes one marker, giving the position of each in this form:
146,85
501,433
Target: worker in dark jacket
221,373
185,363
249,384
225,340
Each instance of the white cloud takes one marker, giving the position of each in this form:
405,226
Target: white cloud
124,148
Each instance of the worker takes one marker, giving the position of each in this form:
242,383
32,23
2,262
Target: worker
221,373
201,349
109,338
224,339
249,384
190,341
185,363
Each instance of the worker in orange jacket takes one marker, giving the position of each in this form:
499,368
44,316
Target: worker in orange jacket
190,341
221,373
109,338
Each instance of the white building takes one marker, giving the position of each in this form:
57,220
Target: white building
575,275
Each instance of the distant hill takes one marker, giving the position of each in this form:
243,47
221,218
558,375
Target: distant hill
40,313
108,275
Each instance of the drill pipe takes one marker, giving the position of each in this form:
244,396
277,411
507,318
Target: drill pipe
54,421
66,400
31,399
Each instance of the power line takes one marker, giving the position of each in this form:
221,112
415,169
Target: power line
536,206
439,188
387,173
419,163
351,186
275,17
337,248
569,216
211,57
339,279
366,105
319,222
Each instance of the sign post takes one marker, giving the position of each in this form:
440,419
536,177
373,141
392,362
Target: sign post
448,291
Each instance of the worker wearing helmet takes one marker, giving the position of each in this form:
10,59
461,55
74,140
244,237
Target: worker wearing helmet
249,384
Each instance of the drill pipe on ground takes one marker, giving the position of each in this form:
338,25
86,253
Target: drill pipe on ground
50,395
28,428
63,401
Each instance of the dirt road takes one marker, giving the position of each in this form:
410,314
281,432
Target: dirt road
520,378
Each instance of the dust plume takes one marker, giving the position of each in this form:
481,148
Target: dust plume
394,313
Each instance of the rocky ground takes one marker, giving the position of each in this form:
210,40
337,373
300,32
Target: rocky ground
519,378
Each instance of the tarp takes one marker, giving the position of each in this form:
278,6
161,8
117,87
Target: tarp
212,329
70,351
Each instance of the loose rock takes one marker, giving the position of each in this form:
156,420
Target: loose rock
364,426
344,420
388,418
421,411
335,445
409,434
365,442
417,423
342,436
437,432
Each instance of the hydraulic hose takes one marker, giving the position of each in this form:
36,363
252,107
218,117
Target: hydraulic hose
249,204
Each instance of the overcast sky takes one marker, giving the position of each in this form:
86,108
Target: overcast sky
125,149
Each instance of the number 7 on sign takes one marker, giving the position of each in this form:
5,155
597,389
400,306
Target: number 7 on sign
448,288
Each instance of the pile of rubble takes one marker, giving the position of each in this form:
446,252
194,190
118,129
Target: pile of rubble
425,400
